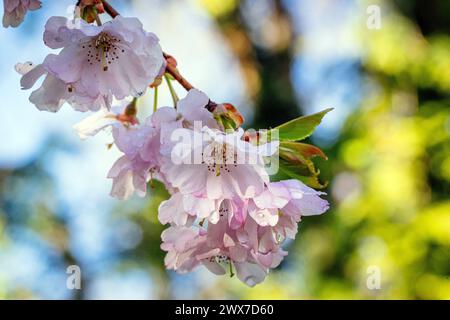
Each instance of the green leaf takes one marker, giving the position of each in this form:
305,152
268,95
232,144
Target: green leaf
300,154
300,128
296,163
301,173
297,151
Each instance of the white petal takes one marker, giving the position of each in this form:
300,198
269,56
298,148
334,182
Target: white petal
91,125
23,68
31,74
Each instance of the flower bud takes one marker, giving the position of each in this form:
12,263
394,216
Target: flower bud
90,9
226,114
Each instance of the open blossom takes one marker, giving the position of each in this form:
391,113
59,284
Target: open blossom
188,248
252,250
244,234
190,112
280,205
141,145
97,63
118,58
190,109
145,145
293,198
133,170
217,164
15,10
131,175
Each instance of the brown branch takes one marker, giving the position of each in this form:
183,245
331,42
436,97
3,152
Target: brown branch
173,71
109,9
170,69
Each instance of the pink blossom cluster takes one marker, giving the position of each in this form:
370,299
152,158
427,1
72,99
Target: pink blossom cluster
245,233
223,212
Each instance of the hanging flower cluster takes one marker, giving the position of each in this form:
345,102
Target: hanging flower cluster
227,210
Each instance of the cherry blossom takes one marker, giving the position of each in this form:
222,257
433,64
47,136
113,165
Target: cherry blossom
118,58
181,243
293,198
225,212
190,113
243,234
133,170
15,10
303,200
252,249
290,197
217,164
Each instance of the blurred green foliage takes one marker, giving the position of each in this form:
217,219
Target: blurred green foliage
389,173
389,169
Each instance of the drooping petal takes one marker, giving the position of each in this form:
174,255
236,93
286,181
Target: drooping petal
30,74
249,273
51,95
172,211
305,200
93,124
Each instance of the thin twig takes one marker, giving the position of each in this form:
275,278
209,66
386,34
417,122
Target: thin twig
176,75
169,68
109,9
179,78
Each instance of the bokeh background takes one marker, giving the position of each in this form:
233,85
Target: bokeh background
388,142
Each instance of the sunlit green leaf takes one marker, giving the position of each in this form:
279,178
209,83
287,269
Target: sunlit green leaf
295,162
300,128
300,172
297,151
